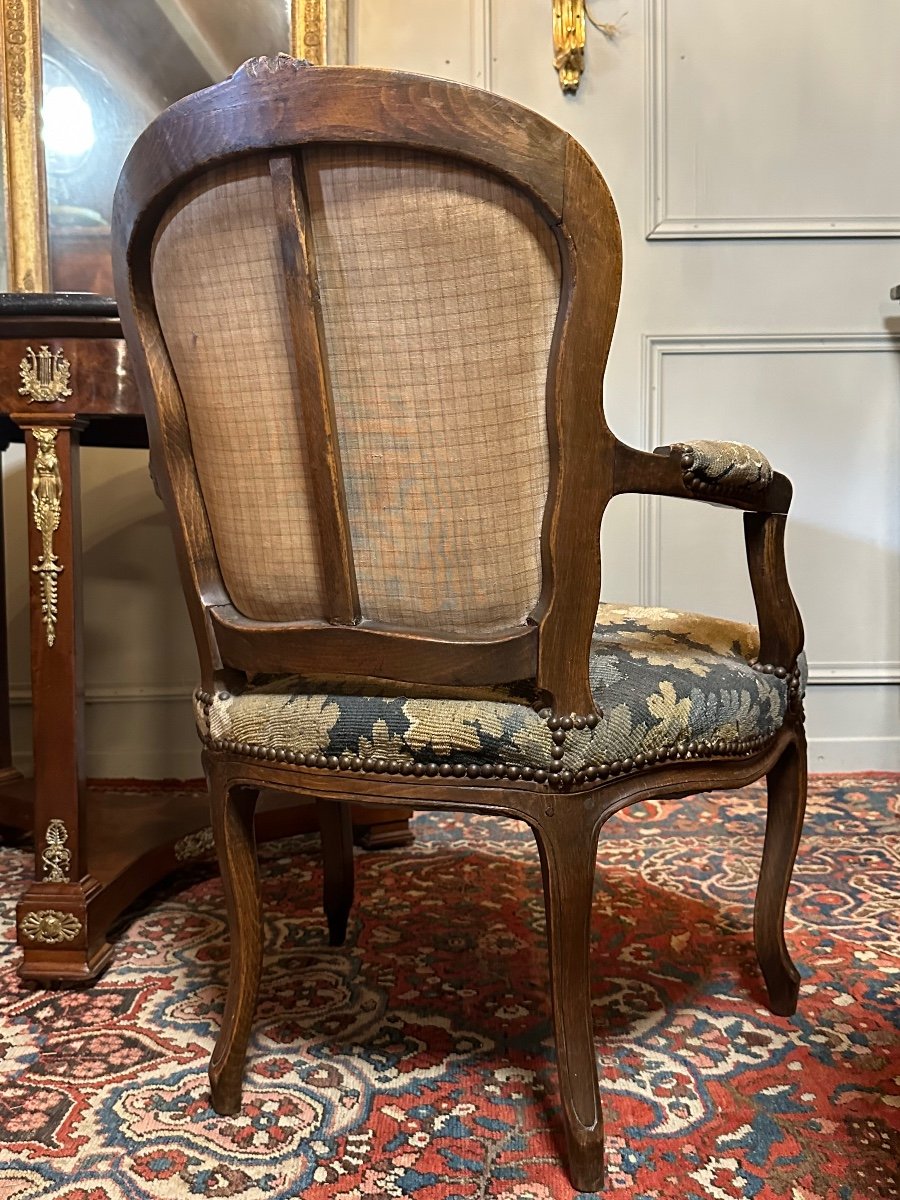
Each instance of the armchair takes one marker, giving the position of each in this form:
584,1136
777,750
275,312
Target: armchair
369,315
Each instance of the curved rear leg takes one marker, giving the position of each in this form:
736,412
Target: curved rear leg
567,841
336,824
787,803
232,821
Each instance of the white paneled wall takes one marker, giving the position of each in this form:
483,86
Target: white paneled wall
140,662
769,122
751,159
752,156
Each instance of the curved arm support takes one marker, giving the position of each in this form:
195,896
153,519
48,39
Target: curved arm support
765,506
780,626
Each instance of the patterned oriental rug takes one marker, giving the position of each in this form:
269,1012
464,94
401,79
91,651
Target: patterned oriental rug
417,1060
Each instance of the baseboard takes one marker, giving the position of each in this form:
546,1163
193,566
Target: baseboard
148,763
854,754
148,733
826,755
130,732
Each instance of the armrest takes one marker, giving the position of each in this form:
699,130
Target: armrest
738,476
727,473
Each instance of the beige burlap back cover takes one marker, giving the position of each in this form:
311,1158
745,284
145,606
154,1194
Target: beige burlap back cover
439,287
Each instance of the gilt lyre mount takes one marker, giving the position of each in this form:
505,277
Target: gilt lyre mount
45,376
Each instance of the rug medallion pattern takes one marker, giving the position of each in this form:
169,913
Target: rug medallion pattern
417,1060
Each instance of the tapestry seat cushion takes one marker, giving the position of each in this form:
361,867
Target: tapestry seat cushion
668,684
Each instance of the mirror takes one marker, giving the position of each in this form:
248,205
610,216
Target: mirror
108,69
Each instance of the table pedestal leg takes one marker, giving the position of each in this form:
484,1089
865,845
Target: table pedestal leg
55,930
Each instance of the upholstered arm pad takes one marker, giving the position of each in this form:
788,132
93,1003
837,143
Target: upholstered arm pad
728,473
721,467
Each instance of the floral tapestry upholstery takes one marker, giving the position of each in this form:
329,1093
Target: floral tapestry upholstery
661,679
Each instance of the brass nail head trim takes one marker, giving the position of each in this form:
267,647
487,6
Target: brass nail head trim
46,502
50,926
57,858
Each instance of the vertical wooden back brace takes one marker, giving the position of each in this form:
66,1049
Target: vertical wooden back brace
317,420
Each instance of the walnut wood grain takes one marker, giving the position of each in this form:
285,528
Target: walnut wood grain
105,385
786,805
387,653
568,899
580,441
232,822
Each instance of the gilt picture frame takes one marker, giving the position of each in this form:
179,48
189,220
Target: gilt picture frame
318,32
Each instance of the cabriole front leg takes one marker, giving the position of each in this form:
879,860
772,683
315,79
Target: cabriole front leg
787,804
566,835
54,919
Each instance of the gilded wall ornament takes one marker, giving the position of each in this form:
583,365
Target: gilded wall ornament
569,35
46,502
45,376
50,926
56,857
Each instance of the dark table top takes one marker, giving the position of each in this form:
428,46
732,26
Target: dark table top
47,304
78,315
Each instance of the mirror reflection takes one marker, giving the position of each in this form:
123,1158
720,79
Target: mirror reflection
109,68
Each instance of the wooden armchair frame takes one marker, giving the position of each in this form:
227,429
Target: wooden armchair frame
276,107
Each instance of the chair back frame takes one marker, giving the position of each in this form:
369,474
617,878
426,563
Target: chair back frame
276,107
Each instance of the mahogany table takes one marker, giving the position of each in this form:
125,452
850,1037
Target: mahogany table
64,383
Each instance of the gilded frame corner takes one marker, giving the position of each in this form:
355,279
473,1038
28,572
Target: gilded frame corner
25,187
318,32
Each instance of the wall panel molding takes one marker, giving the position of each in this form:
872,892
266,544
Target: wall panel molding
662,225
481,25
656,348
